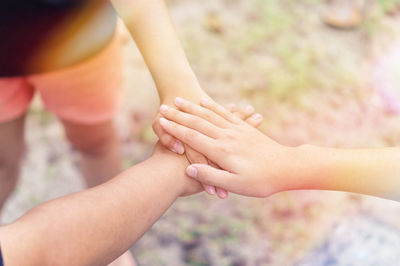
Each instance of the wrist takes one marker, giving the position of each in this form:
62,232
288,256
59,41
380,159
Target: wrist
305,167
188,89
193,95
172,171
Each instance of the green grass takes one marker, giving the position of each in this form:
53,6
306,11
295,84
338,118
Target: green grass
389,5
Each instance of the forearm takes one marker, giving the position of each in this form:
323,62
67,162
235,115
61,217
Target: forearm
96,226
368,171
152,29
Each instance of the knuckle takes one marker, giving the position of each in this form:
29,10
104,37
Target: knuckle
221,109
239,114
230,135
232,107
225,148
172,113
188,106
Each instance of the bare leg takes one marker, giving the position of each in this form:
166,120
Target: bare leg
100,148
11,150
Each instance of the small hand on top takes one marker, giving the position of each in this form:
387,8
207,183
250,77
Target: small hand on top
252,163
242,113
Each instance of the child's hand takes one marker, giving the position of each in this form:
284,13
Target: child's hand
244,113
254,165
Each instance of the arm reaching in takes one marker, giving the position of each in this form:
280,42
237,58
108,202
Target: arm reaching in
255,165
151,27
96,226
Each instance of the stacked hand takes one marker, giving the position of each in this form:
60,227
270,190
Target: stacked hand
193,155
251,163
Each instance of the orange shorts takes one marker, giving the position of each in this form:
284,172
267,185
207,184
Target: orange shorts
88,93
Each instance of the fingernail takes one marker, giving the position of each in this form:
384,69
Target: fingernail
164,108
163,121
179,101
205,101
178,147
222,194
250,109
191,171
210,190
257,116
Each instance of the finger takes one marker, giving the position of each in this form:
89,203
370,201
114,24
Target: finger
193,138
255,120
232,107
167,140
218,109
195,157
197,110
244,112
211,190
222,193
190,121
213,176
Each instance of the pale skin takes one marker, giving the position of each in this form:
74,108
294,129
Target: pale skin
99,144
163,53
95,226
101,156
252,164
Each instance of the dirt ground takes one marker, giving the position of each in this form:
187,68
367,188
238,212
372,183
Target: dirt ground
312,83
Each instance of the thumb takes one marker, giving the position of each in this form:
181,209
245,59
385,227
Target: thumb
209,175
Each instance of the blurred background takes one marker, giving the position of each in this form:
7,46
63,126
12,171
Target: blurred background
321,72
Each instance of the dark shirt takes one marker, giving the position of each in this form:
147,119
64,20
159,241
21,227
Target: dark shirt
1,258
25,24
